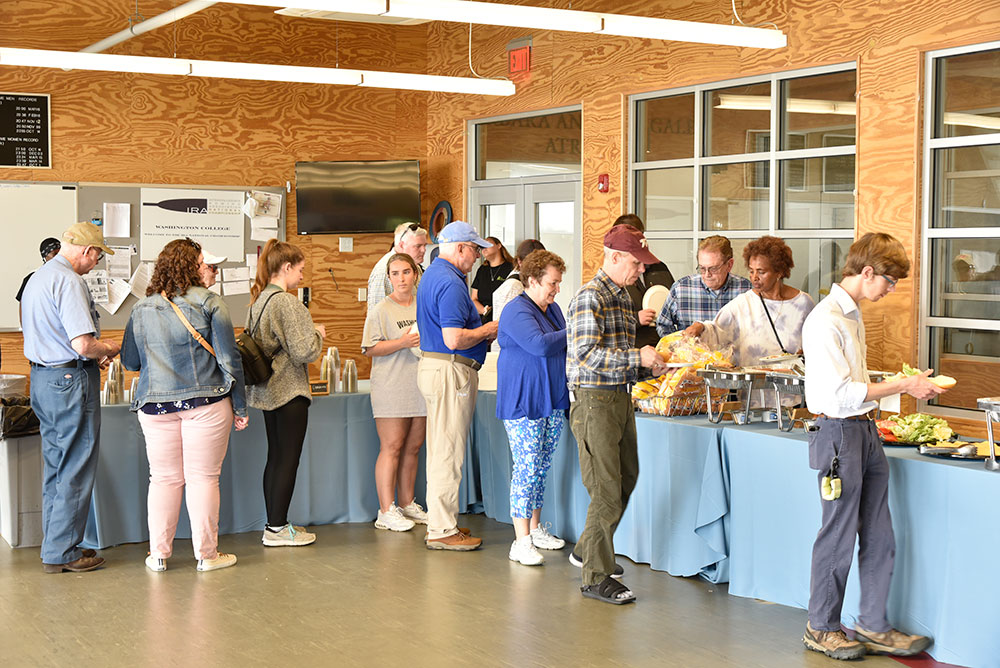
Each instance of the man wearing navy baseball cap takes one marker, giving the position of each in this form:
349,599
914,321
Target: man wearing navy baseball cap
454,342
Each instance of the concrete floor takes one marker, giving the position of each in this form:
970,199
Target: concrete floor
361,597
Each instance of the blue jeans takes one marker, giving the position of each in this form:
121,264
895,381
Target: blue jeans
68,405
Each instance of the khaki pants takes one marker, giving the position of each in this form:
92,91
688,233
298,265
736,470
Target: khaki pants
603,423
449,388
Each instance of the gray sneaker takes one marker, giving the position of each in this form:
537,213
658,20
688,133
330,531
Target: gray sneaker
289,536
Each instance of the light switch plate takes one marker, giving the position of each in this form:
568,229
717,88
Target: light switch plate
346,244
362,294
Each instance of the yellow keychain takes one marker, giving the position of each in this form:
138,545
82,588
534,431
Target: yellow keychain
831,483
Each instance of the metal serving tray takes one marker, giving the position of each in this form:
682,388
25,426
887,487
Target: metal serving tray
786,383
991,406
735,379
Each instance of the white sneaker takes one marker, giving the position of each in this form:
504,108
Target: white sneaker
156,565
222,560
288,536
523,551
543,540
414,512
393,520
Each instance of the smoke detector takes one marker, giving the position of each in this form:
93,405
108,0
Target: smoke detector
346,16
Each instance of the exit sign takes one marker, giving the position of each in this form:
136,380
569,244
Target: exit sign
519,60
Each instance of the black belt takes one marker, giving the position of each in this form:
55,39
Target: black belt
455,358
605,388
75,364
863,416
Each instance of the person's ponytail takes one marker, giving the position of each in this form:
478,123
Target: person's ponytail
272,258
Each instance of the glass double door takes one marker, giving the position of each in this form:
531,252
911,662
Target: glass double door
549,212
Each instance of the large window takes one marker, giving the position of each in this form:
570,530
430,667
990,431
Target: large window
704,161
960,272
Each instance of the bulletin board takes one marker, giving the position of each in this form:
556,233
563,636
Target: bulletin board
29,212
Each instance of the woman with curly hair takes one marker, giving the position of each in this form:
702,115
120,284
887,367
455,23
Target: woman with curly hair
768,319
189,395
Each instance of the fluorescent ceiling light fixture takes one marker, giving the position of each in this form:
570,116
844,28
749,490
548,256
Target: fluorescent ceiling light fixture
75,60
545,18
795,105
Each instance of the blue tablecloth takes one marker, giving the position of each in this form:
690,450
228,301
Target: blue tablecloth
946,539
335,481
675,519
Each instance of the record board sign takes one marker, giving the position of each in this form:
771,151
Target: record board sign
25,137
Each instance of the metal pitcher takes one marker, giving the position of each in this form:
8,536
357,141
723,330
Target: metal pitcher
350,377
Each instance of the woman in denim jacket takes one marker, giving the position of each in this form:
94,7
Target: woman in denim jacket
187,399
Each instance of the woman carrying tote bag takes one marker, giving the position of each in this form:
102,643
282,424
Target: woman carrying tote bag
189,395
284,330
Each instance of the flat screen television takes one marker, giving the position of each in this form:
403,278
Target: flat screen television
357,196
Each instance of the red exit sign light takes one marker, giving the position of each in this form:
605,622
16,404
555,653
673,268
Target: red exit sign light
519,60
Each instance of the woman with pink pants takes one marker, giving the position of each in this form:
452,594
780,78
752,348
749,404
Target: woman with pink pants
189,395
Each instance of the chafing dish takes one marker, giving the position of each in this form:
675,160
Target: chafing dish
991,406
795,385
742,382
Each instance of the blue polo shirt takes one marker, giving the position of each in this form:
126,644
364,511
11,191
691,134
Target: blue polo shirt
443,301
56,307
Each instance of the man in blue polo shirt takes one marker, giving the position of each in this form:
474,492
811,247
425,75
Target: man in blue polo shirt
62,342
454,343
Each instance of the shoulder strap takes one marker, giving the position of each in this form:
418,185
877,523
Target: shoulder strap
194,332
773,328
261,314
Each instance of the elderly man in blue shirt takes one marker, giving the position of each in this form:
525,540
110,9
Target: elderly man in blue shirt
62,342
454,343
701,295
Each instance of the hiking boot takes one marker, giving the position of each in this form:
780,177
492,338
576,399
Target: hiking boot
835,644
891,642
458,542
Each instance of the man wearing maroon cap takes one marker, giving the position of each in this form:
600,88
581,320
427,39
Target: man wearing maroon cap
601,364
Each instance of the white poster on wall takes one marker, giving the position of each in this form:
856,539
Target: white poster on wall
213,218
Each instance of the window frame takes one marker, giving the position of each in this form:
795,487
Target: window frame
700,161
929,234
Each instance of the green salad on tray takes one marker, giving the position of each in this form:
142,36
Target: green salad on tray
919,428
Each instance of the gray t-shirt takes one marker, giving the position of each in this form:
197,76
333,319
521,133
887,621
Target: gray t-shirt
394,377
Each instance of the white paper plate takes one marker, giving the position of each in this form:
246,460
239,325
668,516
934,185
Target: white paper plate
655,297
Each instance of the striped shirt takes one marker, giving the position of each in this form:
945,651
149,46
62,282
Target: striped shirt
690,301
600,332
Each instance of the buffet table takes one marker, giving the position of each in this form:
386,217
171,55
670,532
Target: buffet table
726,503
335,480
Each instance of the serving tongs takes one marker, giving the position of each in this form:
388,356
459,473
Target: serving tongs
991,405
733,379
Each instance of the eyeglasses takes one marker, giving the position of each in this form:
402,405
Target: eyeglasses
214,268
412,227
194,244
711,271
890,280
476,250
100,253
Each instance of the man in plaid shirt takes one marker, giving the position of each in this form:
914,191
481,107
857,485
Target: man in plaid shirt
409,238
601,362
699,297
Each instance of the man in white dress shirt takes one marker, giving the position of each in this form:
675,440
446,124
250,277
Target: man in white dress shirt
408,238
845,445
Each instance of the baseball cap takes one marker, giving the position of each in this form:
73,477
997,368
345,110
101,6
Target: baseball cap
627,238
211,259
461,231
86,234
49,245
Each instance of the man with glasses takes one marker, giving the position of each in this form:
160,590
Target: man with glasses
699,297
62,342
454,343
846,452
408,238
209,269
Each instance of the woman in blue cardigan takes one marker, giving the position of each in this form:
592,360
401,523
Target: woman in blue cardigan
532,397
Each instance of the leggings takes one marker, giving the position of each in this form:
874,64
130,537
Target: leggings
286,430
532,443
